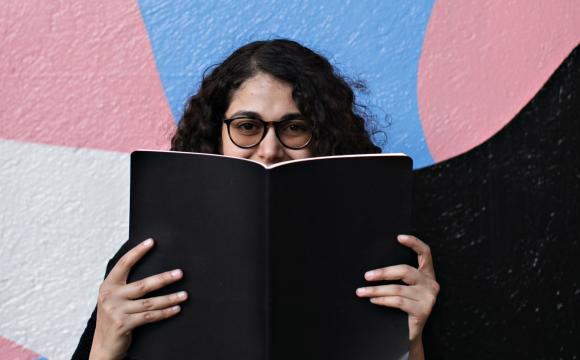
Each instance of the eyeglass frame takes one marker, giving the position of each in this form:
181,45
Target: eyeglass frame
266,125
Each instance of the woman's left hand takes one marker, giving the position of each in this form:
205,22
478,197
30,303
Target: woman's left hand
417,297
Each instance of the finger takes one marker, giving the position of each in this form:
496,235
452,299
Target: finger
141,287
407,273
147,317
423,251
408,292
155,303
120,271
407,305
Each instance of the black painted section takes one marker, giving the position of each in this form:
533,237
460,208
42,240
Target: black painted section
503,224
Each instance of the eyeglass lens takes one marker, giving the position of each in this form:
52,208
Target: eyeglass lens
248,132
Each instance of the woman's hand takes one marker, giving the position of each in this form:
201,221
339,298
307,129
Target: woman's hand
416,298
118,313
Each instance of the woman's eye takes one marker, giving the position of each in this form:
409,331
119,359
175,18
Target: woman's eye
296,128
247,127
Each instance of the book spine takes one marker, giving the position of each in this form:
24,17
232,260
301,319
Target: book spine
268,272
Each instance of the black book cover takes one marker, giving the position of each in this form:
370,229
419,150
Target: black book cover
271,256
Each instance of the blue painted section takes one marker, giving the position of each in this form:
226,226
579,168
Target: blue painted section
378,42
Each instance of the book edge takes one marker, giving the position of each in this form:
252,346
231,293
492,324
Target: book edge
282,163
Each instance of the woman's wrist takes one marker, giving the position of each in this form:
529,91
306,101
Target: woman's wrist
100,353
97,355
416,351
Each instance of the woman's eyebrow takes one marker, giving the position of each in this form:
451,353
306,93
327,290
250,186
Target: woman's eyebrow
244,113
291,116
255,115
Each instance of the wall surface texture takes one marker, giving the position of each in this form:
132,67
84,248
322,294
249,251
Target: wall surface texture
86,82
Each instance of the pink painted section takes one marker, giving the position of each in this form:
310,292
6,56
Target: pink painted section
483,60
10,350
80,74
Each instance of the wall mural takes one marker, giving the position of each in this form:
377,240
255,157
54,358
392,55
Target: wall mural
504,219
484,95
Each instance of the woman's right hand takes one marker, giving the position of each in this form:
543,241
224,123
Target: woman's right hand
118,311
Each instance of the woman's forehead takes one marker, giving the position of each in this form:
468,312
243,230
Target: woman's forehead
265,95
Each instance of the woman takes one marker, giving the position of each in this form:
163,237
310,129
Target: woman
269,101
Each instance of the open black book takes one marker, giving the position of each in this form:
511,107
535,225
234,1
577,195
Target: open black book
271,256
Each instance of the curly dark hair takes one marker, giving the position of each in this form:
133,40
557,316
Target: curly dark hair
321,94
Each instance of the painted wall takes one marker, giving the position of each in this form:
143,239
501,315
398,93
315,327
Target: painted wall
85,83
502,220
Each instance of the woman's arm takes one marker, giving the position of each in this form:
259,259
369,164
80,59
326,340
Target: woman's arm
120,307
416,349
416,298
83,349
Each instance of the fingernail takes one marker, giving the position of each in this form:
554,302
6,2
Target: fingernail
370,274
361,291
176,273
373,300
182,295
176,308
148,242
403,237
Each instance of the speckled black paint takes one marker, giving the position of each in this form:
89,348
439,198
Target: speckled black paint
503,222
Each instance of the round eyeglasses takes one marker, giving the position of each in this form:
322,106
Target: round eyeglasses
247,132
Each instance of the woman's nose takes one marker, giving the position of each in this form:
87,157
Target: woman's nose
270,150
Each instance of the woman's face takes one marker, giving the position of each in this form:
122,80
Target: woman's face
270,99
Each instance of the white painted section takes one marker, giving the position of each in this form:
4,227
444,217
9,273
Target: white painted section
63,213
